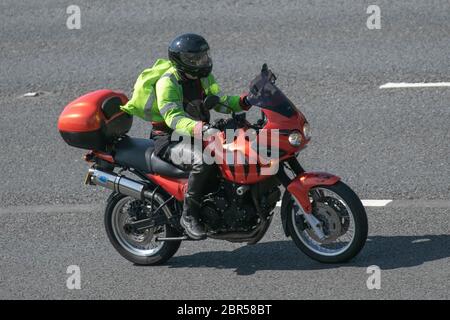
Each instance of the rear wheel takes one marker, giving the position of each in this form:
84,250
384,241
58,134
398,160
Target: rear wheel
341,217
138,247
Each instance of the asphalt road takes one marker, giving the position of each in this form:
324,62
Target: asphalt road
385,143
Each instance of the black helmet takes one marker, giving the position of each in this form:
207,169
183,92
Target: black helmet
190,54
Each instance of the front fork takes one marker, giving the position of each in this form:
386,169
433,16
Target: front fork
299,187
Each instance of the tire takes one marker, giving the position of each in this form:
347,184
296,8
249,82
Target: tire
360,225
165,252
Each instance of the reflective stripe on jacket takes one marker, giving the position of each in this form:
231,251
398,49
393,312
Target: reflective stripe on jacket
168,106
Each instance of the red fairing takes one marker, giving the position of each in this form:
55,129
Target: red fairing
275,121
175,187
301,185
230,157
278,121
256,168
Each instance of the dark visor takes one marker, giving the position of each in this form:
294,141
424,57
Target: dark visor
200,59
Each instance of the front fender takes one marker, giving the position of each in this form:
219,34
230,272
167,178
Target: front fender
299,188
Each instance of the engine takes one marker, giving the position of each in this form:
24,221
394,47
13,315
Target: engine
239,208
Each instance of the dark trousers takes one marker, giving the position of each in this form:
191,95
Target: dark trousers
188,158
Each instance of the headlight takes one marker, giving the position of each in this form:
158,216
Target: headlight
295,139
307,131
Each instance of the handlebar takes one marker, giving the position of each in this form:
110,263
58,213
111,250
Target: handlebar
240,120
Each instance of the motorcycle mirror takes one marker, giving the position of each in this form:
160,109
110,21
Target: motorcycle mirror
264,68
211,101
266,72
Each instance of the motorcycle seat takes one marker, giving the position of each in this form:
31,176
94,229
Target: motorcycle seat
139,153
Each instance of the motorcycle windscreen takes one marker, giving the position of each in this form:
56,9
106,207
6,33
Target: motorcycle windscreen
265,94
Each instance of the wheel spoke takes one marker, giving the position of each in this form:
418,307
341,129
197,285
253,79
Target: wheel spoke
336,219
138,243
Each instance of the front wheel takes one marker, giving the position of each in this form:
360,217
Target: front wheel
341,218
138,247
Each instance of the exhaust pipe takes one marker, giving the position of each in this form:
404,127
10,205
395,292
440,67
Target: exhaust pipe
119,184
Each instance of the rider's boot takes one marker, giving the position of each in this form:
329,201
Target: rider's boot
189,219
200,174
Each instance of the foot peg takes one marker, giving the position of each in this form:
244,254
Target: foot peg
172,238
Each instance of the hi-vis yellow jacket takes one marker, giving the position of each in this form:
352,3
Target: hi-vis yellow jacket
159,98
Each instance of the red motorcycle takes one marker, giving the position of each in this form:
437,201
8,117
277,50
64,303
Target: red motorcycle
323,216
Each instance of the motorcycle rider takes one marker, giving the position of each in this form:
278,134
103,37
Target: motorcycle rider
179,96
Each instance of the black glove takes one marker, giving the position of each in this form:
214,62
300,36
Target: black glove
219,124
246,102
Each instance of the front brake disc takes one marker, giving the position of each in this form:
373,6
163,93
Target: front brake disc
331,223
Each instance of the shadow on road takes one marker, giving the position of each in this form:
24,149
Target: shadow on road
387,252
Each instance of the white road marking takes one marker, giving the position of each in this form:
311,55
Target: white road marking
98,208
397,85
51,208
366,203
435,204
375,203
